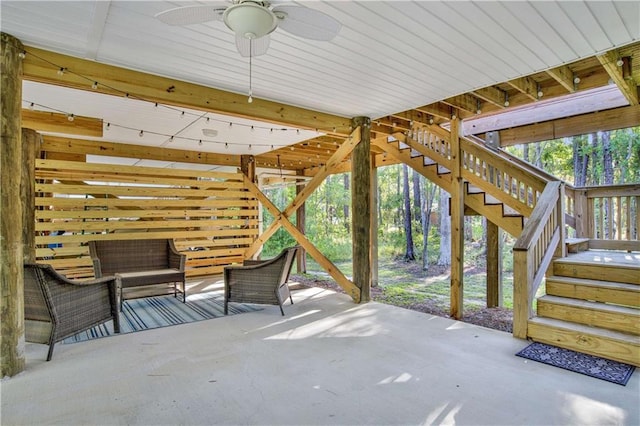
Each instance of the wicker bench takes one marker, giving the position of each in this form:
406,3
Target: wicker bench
137,263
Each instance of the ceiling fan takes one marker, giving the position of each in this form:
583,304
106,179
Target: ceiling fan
252,21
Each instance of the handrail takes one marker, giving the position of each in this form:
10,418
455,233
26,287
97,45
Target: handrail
533,252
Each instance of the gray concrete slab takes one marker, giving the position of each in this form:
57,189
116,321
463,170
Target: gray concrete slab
327,362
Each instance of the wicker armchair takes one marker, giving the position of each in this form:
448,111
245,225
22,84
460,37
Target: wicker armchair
263,282
69,306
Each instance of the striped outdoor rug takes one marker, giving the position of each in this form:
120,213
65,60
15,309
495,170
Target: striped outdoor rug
163,311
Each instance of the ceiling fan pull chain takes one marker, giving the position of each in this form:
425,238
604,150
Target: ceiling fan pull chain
250,71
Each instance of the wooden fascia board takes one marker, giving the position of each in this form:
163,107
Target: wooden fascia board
617,118
92,147
43,121
628,87
41,66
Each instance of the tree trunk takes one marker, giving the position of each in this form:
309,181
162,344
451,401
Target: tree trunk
525,152
607,166
595,174
409,254
417,197
445,230
580,162
425,209
538,160
345,208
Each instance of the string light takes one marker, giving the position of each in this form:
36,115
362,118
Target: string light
108,126
23,55
94,86
141,134
200,142
31,106
71,117
63,70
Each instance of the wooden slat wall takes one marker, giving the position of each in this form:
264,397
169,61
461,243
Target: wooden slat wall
210,215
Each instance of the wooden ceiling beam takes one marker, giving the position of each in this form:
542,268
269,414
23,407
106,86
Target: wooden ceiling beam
438,110
43,121
527,86
493,95
564,76
613,119
42,66
464,102
91,147
627,86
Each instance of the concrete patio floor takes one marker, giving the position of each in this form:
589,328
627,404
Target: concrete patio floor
327,362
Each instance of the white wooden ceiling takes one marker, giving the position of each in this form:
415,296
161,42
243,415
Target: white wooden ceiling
389,56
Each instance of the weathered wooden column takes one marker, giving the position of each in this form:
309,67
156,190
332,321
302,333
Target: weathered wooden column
31,144
457,223
494,266
374,225
301,216
248,167
361,208
11,273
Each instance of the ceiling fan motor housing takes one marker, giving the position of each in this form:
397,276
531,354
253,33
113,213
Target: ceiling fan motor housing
250,19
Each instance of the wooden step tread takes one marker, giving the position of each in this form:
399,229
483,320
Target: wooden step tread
593,283
596,306
601,342
585,329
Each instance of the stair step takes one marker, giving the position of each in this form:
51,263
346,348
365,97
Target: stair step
600,342
576,245
594,290
604,271
595,314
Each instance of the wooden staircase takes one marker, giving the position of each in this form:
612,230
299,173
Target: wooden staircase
592,305
592,301
478,200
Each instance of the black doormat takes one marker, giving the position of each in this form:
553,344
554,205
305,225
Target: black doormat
600,368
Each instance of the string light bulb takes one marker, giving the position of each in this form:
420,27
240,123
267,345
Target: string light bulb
70,117
107,127
31,106
94,86
23,55
61,71
619,62
141,134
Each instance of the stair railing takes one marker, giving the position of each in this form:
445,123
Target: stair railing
541,240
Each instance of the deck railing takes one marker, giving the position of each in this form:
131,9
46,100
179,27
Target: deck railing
608,215
541,240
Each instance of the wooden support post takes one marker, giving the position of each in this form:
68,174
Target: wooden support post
12,357
31,142
248,167
494,266
361,208
457,223
374,224
301,215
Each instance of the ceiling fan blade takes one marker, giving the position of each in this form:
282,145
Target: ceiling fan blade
258,46
307,23
187,15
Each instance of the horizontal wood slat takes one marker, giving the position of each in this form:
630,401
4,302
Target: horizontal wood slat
210,215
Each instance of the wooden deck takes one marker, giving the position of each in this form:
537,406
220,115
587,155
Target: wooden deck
609,257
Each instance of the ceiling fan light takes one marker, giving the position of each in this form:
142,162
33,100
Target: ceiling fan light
250,20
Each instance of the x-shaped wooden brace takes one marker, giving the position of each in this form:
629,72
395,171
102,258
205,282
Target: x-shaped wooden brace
282,218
